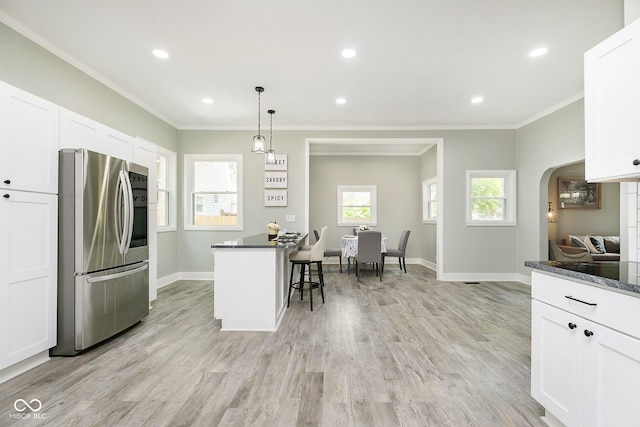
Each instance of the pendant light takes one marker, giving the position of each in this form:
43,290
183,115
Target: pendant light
258,146
271,155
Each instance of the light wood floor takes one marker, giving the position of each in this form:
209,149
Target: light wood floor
410,351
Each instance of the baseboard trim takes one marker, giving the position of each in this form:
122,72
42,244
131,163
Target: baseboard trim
23,366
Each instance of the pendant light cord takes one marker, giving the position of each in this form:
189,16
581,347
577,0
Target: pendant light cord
259,112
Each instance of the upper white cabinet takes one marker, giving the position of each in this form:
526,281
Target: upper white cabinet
28,142
612,107
77,131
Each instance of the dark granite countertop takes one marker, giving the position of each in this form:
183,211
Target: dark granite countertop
262,241
618,275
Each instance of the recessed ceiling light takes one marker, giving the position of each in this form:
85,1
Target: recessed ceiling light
341,101
159,53
207,100
348,53
538,52
477,100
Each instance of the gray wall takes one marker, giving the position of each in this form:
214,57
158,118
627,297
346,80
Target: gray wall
399,194
552,141
31,68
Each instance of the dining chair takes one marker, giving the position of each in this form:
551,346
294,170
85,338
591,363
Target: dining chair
369,250
304,259
400,252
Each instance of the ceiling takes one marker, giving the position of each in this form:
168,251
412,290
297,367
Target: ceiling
418,62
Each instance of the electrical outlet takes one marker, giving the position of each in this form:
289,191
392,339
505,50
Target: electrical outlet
290,218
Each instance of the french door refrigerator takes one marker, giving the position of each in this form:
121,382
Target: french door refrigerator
103,276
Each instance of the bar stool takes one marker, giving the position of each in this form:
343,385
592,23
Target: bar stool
304,259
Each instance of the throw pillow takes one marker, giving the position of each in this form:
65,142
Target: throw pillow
590,246
598,243
612,244
579,242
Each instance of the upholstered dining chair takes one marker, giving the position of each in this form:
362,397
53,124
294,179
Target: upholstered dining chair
304,259
400,252
328,252
369,250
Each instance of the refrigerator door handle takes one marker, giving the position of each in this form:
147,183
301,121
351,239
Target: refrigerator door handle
117,275
122,213
128,211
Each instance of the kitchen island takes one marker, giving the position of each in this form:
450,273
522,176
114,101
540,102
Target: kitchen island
585,342
250,281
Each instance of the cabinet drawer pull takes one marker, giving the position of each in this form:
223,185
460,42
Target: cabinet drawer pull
636,162
6,196
587,333
572,325
578,300
7,181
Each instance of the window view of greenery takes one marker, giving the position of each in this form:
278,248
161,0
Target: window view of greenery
487,199
356,206
215,198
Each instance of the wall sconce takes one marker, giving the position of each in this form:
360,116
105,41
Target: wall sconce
271,155
258,146
551,215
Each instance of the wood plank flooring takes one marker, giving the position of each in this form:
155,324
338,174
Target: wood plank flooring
407,351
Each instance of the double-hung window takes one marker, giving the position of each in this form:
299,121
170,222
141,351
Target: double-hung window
213,191
429,199
491,197
166,178
357,205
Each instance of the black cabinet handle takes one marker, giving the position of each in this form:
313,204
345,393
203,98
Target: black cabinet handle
572,325
7,181
578,300
587,333
636,162
6,196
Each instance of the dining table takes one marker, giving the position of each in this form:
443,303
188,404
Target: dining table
349,247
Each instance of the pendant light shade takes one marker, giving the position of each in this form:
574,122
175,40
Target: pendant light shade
259,145
271,155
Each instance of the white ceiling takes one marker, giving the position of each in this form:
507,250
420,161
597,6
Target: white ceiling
418,63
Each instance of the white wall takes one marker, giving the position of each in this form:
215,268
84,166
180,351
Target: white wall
428,231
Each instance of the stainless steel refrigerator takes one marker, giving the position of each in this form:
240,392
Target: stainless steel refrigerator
103,275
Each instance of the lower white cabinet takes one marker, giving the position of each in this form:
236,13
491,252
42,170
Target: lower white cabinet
585,361
28,270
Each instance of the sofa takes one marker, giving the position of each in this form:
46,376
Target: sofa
601,248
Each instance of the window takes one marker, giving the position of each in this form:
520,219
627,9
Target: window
357,205
491,197
213,192
166,177
429,199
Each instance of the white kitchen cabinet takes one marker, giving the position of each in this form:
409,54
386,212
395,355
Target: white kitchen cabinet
28,141
585,358
28,274
77,131
612,107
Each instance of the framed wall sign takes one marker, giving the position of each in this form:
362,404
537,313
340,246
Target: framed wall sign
281,163
275,180
275,197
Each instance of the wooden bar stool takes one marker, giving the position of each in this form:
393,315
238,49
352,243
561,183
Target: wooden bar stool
304,259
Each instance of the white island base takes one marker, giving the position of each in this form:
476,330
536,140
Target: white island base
250,286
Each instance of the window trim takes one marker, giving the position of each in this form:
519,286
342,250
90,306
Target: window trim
172,188
427,201
373,189
510,188
189,160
